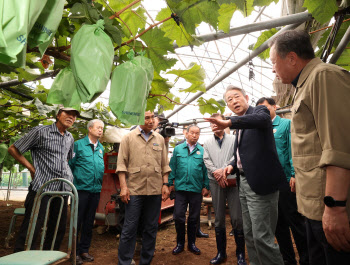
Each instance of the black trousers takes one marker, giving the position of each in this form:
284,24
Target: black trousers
139,207
88,203
184,199
289,217
51,224
320,252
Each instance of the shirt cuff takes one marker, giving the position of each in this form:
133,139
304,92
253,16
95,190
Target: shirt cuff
335,158
165,170
121,168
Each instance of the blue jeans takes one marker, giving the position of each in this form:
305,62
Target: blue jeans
148,208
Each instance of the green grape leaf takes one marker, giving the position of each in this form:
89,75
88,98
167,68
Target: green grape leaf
246,7
64,28
117,5
344,59
167,104
225,14
60,64
195,87
6,69
135,19
26,74
113,31
262,38
93,13
157,47
264,2
152,103
160,85
78,13
210,105
344,26
44,110
175,32
3,152
194,12
321,10
195,75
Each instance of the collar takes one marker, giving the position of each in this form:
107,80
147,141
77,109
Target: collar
87,141
276,120
217,138
95,145
55,129
249,110
187,144
296,79
142,131
304,74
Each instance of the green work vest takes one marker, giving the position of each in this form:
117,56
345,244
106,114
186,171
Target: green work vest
87,166
281,132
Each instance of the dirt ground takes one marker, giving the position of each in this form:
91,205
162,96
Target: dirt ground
105,247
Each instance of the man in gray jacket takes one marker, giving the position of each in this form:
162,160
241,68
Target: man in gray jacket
218,151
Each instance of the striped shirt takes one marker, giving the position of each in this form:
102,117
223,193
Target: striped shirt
50,152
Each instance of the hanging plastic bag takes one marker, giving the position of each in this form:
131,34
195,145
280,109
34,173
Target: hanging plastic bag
91,60
46,25
17,19
64,90
131,82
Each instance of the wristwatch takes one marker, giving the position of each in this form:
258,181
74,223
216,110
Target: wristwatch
330,202
166,184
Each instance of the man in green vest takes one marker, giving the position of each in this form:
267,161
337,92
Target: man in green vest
87,166
190,181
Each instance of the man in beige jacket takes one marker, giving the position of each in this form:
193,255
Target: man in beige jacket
143,170
320,144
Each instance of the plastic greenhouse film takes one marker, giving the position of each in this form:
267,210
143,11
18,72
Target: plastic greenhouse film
46,25
91,60
17,19
131,82
64,90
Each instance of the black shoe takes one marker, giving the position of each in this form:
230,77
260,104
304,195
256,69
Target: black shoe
87,257
79,260
220,258
192,247
232,233
178,249
201,234
220,234
241,259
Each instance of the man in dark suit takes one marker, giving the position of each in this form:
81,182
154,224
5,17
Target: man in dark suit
260,175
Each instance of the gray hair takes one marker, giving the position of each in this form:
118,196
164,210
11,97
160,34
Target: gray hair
231,87
297,41
191,126
92,122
